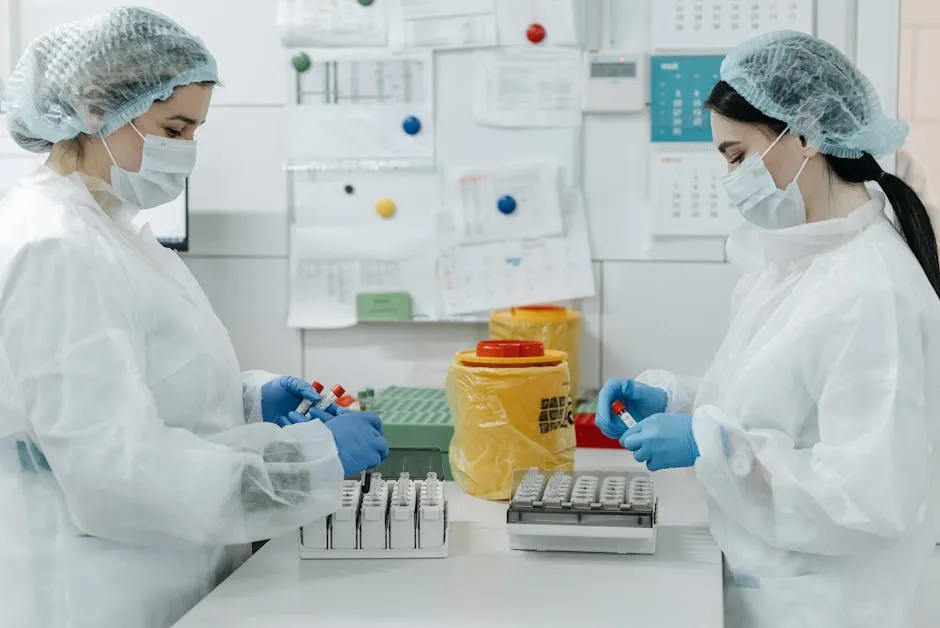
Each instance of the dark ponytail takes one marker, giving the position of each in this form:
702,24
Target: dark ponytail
908,208
910,211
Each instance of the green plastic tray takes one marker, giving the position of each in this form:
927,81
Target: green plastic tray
417,461
416,418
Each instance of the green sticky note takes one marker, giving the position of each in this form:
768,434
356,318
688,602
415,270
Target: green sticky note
383,306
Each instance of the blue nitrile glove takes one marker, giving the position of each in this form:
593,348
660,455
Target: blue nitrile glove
281,396
662,441
359,441
641,400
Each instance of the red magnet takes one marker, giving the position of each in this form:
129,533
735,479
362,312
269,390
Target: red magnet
535,33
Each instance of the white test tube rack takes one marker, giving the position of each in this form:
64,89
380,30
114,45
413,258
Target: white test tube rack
400,518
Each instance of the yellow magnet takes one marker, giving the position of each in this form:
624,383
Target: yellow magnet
385,207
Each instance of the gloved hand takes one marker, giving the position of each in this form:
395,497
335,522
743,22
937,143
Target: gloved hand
662,441
641,400
280,398
359,440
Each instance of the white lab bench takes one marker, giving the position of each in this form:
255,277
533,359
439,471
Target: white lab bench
483,582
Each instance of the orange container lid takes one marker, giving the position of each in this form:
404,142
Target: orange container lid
510,353
510,349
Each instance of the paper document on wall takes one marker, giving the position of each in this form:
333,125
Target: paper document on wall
711,25
322,294
442,23
480,277
360,106
534,88
330,266
328,23
687,196
531,192
556,17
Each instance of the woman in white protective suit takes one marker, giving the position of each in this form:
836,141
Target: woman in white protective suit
135,458
812,432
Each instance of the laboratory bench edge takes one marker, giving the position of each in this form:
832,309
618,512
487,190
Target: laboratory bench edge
483,582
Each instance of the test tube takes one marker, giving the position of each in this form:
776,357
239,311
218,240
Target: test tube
404,482
621,411
366,397
304,406
330,398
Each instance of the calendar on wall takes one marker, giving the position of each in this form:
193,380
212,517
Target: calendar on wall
688,198
679,86
723,24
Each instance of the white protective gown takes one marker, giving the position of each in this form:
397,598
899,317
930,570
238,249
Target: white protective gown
829,381
114,366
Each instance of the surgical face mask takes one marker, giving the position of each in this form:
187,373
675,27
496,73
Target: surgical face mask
164,166
752,189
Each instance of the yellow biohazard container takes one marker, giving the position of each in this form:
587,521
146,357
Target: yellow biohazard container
555,327
511,407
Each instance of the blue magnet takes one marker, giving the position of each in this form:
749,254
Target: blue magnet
506,204
411,125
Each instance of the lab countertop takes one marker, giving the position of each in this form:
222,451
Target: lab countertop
483,582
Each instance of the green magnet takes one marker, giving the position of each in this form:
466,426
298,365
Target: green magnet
301,61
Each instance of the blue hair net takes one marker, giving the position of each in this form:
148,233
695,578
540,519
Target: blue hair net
811,86
96,75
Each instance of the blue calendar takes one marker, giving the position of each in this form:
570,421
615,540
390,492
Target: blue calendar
679,85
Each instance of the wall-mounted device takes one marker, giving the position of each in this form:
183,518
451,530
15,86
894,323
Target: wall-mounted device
615,82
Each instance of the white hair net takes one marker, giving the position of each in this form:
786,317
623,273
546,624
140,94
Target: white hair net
96,75
811,86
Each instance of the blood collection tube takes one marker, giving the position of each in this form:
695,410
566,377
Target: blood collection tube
304,406
331,397
621,411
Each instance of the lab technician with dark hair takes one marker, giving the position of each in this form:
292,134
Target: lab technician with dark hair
135,458
813,431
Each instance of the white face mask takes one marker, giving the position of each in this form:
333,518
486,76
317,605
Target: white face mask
752,189
164,166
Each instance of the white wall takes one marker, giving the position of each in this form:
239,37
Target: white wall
659,311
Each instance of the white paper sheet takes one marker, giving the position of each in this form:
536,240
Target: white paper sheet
535,189
328,23
530,88
368,78
710,25
330,266
480,277
442,23
686,194
352,106
557,17
322,294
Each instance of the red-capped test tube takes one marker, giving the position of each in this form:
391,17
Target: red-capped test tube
621,411
331,397
304,406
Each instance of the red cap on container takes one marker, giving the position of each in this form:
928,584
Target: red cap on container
317,386
540,308
618,407
510,349
338,390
